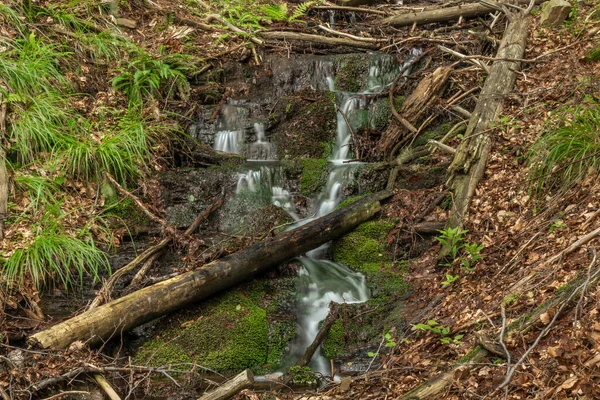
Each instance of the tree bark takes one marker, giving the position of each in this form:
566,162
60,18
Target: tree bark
317,39
142,306
470,160
232,387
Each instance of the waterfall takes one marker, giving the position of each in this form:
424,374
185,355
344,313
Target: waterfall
322,281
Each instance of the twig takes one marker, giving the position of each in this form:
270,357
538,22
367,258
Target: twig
517,254
108,389
442,146
575,245
578,306
61,394
354,9
351,131
349,36
334,312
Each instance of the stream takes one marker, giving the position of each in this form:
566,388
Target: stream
322,281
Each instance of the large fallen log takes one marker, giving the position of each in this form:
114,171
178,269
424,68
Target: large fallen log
436,14
242,381
149,303
470,160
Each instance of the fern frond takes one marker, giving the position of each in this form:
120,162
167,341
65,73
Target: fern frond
302,8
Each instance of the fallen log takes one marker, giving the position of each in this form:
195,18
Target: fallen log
413,109
471,156
149,303
306,37
437,14
232,387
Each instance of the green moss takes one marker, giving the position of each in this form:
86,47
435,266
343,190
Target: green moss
303,376
334,342
352,71
126,210
312,175
232,334
350,200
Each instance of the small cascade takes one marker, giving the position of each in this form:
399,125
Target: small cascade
230,134
261,149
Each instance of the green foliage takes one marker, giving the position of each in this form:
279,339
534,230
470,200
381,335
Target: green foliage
41,189
452,239
302,8
302,375
29,66
568,149
441,330
122,153
145,78
453,242
55,255
450,279
10,17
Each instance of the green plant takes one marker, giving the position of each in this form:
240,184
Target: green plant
146,77
443,331
388,341
56,255
556,224
41,189
568,149
450,279
452,240
302,375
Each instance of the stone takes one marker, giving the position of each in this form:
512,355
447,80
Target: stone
554,12
127,23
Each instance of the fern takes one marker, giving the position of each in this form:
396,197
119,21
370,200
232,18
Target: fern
276,12
302,8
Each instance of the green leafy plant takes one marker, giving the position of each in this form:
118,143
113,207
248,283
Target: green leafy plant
302,375
453,242
388,341
450,279
145,78
441,330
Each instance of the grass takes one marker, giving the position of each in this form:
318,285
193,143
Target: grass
54,255
41,189
565,154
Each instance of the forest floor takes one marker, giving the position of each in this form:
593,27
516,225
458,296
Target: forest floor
524,229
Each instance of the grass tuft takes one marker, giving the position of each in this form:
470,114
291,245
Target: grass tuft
565,154
55,256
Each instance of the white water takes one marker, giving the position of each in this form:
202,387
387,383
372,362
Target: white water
322,281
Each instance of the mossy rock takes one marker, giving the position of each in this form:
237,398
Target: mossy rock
304,125
365,250
351,72
314,175
229,333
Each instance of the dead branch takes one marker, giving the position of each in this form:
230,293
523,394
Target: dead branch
349,36
583,240
334,313
108,389
350,9
232,387
306,37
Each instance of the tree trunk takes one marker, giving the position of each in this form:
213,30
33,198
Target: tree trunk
468,165
154,301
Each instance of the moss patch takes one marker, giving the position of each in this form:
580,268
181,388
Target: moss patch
365,250
232,332
304,125
352,71
313,175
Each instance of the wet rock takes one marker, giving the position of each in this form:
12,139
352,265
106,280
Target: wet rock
554,12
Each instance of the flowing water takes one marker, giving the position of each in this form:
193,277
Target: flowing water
322,281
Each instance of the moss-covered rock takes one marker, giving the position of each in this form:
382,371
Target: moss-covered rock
232,332
351,72
365,250
304,125
314,175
